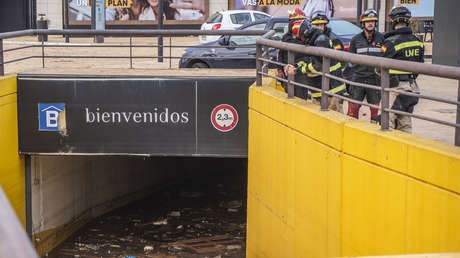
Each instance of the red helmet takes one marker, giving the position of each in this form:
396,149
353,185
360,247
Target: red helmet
297,14
295,28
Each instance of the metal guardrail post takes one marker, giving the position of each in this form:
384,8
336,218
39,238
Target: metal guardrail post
170,52
457,129
385,115
325,84
2,66
160,26
266,56
131,52
290,86
43,54
258,65
160,49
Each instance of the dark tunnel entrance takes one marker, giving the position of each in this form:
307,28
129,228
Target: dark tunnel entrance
201,212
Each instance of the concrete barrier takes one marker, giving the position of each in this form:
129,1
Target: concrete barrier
12,176
324,185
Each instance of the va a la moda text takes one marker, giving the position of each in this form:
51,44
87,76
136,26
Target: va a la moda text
157,115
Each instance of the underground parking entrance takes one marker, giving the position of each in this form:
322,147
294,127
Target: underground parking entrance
135,165
199,213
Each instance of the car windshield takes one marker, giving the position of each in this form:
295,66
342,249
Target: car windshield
342,27
240,18
215,18
247,40
260,16
280,28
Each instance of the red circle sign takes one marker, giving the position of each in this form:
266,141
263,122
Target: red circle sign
224,117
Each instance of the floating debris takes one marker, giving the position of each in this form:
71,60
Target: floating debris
148,248
160,222
233,247
174,214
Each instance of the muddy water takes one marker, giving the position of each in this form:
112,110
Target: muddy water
202,216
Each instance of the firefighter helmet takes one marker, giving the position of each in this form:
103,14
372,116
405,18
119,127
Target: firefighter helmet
319,17
297,14
306,30
294,27
399,14
368,15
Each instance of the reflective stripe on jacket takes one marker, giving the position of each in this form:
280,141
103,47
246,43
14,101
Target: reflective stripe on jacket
360,45
313,64
401,44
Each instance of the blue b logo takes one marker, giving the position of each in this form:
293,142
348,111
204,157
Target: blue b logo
48,116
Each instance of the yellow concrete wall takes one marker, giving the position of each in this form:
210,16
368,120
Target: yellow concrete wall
12,175
324,185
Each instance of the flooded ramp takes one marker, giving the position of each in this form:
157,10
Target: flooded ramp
202,216
117,115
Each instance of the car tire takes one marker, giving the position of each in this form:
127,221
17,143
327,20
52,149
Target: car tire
199,65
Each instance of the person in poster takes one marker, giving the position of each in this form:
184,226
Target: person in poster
143,10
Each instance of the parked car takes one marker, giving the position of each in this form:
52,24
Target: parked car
196,57
230,20
191,57
344,30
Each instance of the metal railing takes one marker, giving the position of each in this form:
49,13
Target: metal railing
263,59
118,33
384,64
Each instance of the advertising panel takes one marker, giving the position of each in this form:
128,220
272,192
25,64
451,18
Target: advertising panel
345,9
418,8
134,116
123,12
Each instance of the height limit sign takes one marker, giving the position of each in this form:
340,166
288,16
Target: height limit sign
224,117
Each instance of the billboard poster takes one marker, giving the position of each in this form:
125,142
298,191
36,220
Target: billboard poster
141,11
345,9
418,8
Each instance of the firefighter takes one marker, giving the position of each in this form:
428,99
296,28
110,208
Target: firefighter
319,20
401,44
295,19
314,37
369,42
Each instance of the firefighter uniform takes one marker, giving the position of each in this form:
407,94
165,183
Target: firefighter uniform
336,42
365,74
295,19
319,18
307,67
401,44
